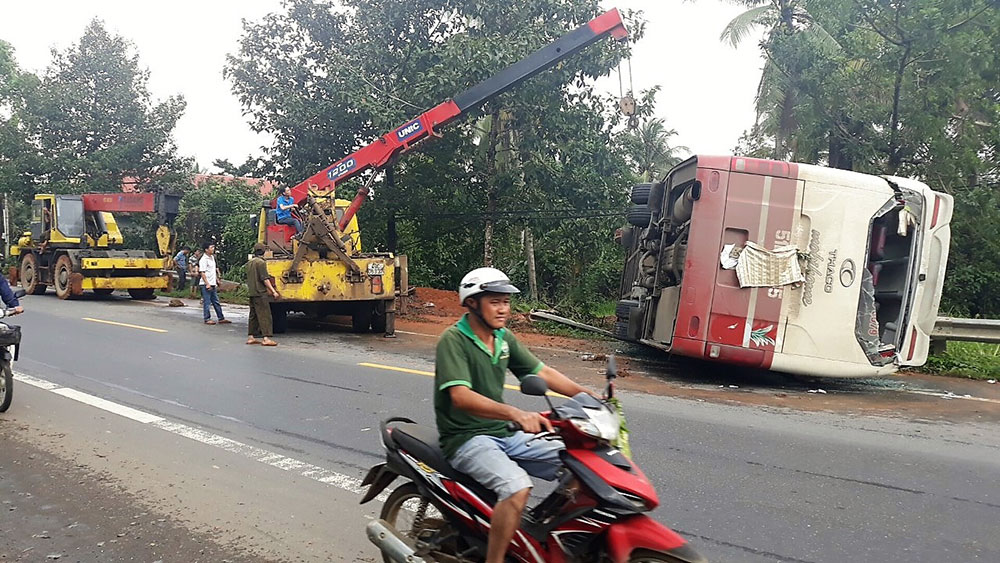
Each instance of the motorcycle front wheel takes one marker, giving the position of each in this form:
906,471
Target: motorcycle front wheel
411,514
6,387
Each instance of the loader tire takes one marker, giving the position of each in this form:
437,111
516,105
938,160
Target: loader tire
640,193
145,294
639,215
361,318
279,318
103,292
62,277
30,278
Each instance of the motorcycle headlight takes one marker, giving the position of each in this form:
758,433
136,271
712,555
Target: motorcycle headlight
601,424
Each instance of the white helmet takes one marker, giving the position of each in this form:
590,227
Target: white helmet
483,280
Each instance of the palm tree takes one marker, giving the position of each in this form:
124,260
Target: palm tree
778,89
651,149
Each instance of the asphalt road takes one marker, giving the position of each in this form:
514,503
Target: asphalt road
264,446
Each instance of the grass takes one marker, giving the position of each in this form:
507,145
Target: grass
972,360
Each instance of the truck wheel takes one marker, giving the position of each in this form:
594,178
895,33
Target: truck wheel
142,293
640,193
380,318
279,318
61,277
639,215
361,319
625,307
30,281
103,292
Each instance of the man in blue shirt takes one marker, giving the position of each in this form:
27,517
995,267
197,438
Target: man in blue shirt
7,294
283,211
181,264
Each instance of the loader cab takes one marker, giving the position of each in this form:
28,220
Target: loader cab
58,219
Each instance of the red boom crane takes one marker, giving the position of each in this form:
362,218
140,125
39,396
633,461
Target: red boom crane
401,139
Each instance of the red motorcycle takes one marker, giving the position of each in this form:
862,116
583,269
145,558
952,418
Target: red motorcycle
595,514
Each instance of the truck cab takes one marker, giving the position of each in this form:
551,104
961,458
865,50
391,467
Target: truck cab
837,273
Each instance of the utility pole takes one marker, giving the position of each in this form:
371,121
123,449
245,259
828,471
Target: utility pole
529,251
6,227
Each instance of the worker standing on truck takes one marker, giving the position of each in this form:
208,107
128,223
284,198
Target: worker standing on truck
283,211
260,287
210,286
472,360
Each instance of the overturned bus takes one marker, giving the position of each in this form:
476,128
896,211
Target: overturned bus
790,267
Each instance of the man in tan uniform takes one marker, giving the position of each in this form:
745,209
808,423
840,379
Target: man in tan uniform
260,286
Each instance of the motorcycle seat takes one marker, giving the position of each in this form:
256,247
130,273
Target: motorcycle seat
423,443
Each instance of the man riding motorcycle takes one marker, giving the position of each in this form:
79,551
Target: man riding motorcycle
9,299
472,359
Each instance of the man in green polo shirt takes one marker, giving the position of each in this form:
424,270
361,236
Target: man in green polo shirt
473,357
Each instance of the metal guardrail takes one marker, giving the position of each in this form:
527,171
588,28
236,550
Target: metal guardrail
548,316
967,330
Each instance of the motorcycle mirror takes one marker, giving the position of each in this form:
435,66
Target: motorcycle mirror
534,385
612,367
19,293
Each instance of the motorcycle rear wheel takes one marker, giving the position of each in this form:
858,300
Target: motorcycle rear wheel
6,387
401,510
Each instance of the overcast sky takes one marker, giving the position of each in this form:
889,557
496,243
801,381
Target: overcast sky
707,94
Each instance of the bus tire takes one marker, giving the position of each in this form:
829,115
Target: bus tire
625,307
640,193
639,215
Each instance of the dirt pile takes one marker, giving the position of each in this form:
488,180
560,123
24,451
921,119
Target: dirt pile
436,302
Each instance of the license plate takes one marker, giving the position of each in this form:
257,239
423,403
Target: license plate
376,269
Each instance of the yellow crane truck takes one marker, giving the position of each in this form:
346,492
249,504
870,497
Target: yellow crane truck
324,267
324,272
74,244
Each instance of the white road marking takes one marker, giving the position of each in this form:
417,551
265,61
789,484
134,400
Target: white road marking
105,405
950,395
273,459
182,356
35,382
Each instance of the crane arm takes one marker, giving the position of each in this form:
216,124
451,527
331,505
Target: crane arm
165,205
379,153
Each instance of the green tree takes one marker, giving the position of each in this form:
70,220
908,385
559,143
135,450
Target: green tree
93,121
651,151
779,87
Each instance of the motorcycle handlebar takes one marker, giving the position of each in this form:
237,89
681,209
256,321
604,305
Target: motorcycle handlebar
513,427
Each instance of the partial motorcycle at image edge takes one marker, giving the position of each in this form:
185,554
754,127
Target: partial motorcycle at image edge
10,348
595,514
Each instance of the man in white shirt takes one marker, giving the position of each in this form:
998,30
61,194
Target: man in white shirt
209,286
